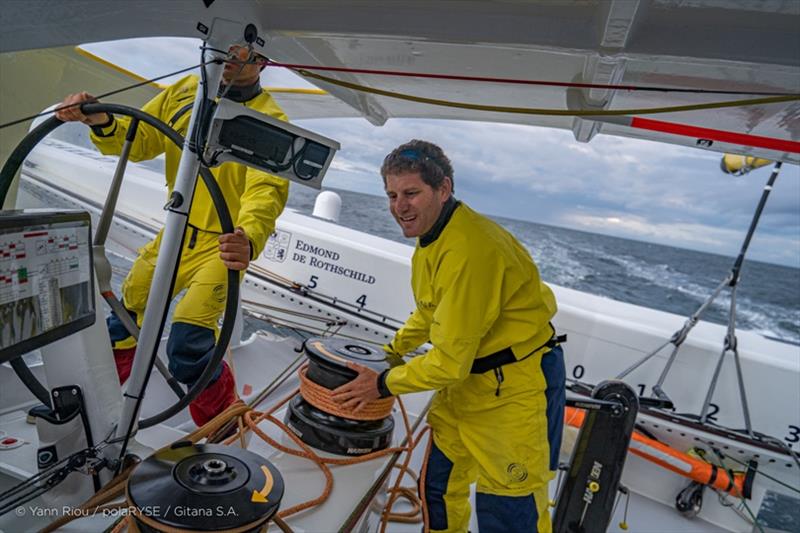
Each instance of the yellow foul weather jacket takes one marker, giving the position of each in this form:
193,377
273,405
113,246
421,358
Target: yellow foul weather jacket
477,292
254,198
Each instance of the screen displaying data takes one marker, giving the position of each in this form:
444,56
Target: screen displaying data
46,278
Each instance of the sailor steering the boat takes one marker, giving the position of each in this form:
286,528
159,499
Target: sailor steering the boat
496,363
255,200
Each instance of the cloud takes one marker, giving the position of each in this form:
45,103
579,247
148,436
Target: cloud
641,228
668,194
631,188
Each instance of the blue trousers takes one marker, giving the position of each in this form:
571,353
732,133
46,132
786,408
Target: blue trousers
189,347
447,479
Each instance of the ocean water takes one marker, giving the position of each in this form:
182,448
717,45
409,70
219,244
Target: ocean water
661,277
656,276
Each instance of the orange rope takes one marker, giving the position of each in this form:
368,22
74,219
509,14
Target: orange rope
416,499
253,422
122,525
248,419
253,418
320,397
307,452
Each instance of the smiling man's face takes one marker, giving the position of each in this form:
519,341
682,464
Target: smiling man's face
414,204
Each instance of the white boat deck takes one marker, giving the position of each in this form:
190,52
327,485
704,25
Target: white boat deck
350,507
256,365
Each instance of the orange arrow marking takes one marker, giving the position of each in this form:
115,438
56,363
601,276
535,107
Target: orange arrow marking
261,496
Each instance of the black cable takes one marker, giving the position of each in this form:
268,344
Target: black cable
29,380
22,499
35,478
231,304
205,109
61,470
22,150
206,47
754,222
286,166
87,431
200,119
104,95
306,177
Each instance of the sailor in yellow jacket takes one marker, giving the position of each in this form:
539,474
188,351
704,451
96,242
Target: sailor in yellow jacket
255,200
495,363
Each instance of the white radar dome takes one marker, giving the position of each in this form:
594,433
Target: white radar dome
327,206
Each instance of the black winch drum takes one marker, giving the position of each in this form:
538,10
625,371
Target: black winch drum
327,366
204,487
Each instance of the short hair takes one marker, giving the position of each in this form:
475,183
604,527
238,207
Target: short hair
419,156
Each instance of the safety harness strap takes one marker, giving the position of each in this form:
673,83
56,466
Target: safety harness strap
506,356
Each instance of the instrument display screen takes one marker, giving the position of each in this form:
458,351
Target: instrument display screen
46,278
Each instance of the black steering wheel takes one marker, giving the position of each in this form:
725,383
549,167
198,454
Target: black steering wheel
7,174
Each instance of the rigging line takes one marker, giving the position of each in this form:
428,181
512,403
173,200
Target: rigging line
782,445
105,95
297,326
759,439
720,457
334,301
46,480
513,81
272,275
759,472
21,500
331,300
724,501
14,496
551,112
286,311
47,471
754,222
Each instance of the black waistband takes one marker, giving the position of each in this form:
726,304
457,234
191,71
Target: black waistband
506,356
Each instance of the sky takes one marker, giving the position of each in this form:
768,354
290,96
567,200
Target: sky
627,188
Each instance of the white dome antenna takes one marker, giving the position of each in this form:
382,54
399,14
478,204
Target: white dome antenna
328,205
